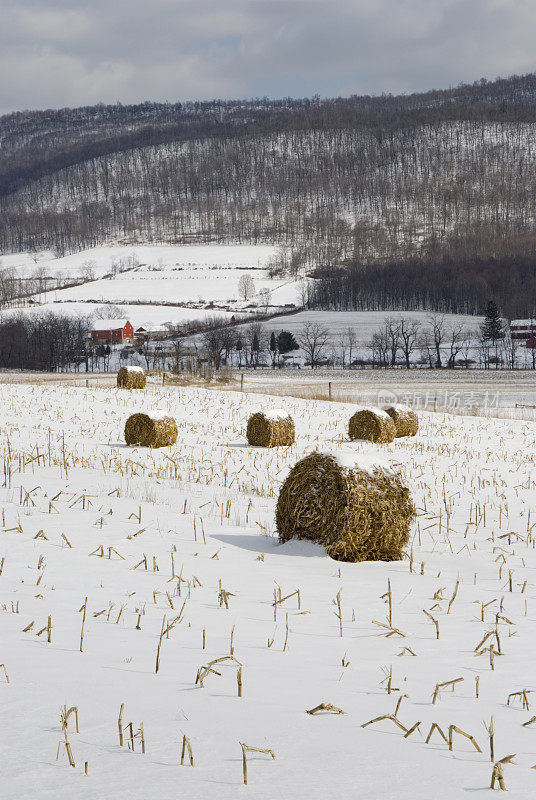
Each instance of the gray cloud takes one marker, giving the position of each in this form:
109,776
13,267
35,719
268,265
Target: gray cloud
57,53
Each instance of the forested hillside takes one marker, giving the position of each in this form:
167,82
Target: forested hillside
446,177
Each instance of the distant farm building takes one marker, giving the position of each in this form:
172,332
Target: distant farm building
148,331
524,330
112,331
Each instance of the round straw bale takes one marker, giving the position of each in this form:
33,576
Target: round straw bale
359,509
372,424
131,378
405,419
270,429
140,429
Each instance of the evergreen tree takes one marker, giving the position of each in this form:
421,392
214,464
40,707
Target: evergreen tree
286,342
238,347
492,328
273,347
255,348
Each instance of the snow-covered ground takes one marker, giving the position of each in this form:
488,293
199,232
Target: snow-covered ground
177,283
194,275
364,323
188,284
104,257
138,314
202,515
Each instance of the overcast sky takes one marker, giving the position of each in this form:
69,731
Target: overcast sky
56,53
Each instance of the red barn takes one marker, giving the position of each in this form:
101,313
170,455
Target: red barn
112,331
523,330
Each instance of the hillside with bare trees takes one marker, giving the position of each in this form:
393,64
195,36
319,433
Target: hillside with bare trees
428,188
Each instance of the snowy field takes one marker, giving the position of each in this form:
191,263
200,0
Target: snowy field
83,515
160,256
191,275
138,314
365,323
218,285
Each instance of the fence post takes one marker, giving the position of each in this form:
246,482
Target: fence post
329,389
242,382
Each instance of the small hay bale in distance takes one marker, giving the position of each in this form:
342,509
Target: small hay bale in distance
131,378
405,419
358,508
372,424
271,429
157,431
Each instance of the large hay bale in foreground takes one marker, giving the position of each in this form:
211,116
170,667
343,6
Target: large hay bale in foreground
131,378
359,509
405,419
372,424
271,429
157,431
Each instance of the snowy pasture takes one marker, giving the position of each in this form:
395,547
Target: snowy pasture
188,275
170,557
102,259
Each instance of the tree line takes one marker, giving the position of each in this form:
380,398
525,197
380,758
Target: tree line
435,342
459,284
48,342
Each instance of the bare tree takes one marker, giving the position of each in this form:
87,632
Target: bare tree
109,312
425,344
468,343
312,339
409,332
87,270
213,344
227,341
347,341
457,337
343,347
144,349
379,345
265,297
511,347
177,353
392,330
304,292
246,287
437,326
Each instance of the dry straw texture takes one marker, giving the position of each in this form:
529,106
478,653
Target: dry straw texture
270,430
357,514
372,424
140,429
406,421
128,378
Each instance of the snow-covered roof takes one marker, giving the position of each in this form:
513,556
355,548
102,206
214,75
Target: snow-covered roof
151,328
523,323
109,324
